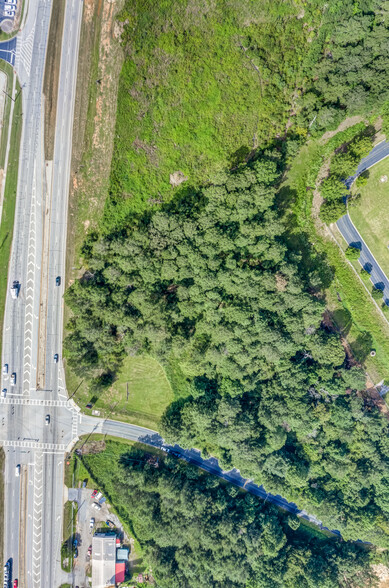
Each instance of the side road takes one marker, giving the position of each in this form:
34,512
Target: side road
350,233
92,425
366,259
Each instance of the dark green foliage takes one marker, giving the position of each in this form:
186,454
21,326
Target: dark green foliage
353,253
196,531
377,293
209,284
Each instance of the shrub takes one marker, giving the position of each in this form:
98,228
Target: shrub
353,253
377,293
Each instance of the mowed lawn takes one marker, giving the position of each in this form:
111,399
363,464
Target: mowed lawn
139,395
370,214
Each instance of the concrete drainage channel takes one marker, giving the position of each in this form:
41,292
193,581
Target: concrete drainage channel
91,506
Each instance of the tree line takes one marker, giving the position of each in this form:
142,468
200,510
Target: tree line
197,531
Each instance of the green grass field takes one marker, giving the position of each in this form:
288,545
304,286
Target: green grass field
149,393
370,214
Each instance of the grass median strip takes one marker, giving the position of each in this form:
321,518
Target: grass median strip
8,216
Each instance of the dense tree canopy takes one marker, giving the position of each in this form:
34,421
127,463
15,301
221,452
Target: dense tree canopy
196,531
209,284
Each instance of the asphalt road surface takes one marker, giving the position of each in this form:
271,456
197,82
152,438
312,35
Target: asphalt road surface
91,425
378,152
33,499
353,237
366,259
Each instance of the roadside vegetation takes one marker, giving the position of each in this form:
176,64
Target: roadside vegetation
69,533
196,530
8,215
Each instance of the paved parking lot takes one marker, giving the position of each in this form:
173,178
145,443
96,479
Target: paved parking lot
84,532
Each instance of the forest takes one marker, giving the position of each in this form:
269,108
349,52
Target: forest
209,284
196,531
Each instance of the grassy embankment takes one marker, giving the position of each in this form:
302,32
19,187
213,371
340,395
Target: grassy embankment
351,306
7,220
69,530
370,213
100,59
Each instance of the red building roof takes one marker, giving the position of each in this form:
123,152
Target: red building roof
120,571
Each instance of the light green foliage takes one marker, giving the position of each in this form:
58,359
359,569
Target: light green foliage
353,253
343,164
365,275
362,179
196,531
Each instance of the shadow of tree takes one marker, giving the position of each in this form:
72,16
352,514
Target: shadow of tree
362,346
343,320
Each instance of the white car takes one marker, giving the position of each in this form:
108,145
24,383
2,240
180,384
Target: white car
92,522
17,470
96,505
13,379
4,392
10,13
47,419
5,370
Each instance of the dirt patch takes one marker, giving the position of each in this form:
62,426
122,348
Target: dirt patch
51,79
92,447
382,572
177,178
348,122
99,65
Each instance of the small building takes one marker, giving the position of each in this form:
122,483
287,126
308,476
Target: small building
122,554
103,560
120,571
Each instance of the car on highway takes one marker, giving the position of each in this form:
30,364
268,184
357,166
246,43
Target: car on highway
16,583
13,379
15,289
47,419
56,358
92,522
5,370
96,505
17,470
4,392
58,281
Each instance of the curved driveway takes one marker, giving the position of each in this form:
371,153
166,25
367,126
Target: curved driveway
353,237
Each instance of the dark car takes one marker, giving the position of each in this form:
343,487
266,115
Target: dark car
58,281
